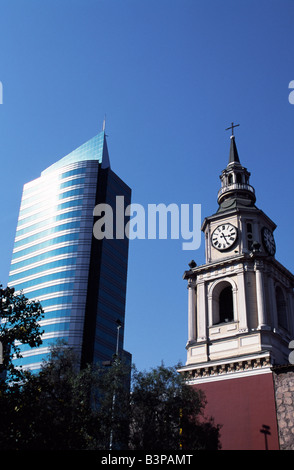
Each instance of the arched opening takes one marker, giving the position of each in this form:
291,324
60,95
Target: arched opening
222,303
281,308
226,309
230,179
239,178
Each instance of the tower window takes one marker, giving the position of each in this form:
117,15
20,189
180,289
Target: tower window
222,304
226,311
281,308
249,235
239,178
230,179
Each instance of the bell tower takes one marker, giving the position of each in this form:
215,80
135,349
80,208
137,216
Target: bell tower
240,316
240,302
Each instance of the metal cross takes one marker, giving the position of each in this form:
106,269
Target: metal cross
232,127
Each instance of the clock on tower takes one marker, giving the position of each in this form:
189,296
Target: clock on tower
224,236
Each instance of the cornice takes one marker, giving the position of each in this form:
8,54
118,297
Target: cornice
215,264
250,261
230,368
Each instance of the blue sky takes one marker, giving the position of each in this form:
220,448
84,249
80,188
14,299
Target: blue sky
170,75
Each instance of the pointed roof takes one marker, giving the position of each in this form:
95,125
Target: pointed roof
93,149
234,157
236,192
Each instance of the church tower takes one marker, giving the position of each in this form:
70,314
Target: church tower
240,302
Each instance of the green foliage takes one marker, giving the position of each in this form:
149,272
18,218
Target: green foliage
64,408
167,414
19,322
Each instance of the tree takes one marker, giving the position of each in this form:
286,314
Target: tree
167,414
19,323
64,408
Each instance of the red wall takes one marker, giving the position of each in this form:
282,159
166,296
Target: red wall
242,406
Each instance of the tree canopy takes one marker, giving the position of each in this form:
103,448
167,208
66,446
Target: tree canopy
167,413
64,407
19,324
98,407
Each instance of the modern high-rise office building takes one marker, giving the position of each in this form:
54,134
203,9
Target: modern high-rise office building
79,280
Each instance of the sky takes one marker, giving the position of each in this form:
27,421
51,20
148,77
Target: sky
170,76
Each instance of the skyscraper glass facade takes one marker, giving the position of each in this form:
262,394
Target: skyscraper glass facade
80,281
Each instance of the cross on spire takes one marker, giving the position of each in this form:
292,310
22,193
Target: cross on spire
232,127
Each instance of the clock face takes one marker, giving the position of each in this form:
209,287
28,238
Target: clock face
224,236
268,241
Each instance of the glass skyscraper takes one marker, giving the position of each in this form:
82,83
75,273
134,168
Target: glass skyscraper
80,281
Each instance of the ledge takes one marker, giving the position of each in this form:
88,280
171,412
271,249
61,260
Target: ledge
228,368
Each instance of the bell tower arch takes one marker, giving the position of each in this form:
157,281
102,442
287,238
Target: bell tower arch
223,304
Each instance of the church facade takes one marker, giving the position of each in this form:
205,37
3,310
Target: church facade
240,315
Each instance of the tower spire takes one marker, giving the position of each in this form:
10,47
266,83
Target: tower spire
234,157
235,188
